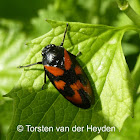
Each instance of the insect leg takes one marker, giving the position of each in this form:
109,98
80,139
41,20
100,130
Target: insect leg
44,78
30,65
78,54
64,34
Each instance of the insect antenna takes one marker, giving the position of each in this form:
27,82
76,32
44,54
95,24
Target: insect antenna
64,34
29,65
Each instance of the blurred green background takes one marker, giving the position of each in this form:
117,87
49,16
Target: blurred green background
21,21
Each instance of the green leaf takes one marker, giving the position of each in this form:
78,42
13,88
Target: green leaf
12,52
98,137
136,74
136,5
131,128
6,111
130,49
103,61
138,91
40,27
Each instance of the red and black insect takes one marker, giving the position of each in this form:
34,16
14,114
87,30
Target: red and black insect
66,75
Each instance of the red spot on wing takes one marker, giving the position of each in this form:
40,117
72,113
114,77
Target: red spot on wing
78,70
76,98
59,84
76,86
54,70
88,89
67,60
